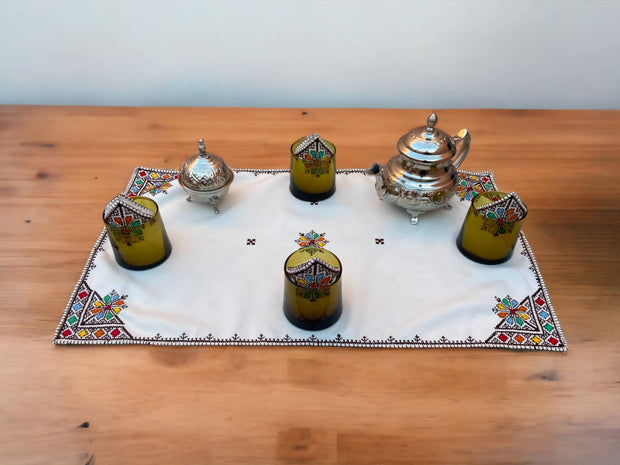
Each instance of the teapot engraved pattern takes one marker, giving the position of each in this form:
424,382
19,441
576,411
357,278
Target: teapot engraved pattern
422,177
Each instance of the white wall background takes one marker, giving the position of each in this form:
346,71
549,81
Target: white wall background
305,53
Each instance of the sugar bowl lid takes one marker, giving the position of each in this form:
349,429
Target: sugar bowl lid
205,171
427,143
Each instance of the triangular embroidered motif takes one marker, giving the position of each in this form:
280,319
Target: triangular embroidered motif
515,316
104,311
537,328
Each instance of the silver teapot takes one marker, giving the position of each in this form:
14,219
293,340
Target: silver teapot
422,177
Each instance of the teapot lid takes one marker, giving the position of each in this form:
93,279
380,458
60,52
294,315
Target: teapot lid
204,171
427,143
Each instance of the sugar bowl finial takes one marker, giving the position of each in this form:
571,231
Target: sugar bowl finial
205,177
202,150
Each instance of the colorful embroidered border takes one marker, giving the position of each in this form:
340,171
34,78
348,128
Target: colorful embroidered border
149,180
529,322
91,318
543,332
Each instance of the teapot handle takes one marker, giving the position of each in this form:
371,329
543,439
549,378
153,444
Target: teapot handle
463,138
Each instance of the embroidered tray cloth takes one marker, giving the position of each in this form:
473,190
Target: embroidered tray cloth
403,285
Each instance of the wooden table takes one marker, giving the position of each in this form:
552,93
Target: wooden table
263,405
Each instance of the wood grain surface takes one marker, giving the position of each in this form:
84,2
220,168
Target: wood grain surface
264,405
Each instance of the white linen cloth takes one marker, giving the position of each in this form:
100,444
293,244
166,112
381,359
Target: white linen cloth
403,285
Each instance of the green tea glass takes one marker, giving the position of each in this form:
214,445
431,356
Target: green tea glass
313,168
136,231
491,227
312,288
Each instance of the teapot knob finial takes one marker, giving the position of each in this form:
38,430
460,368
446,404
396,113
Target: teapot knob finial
431,122
201,147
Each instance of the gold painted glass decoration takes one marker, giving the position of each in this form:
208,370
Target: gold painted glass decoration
491,227
312,288
136,231
313,168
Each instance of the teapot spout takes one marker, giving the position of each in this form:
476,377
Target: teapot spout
375,169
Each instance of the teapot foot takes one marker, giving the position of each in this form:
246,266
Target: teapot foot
216,210
415,216
447,207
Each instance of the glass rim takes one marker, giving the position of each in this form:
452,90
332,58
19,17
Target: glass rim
301,139
511,200
484,195
150,200
132,197
286,275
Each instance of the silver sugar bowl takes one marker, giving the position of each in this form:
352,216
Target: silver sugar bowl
205,177
423,176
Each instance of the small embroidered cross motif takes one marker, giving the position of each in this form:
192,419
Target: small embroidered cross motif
314,203
379,241
251,242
